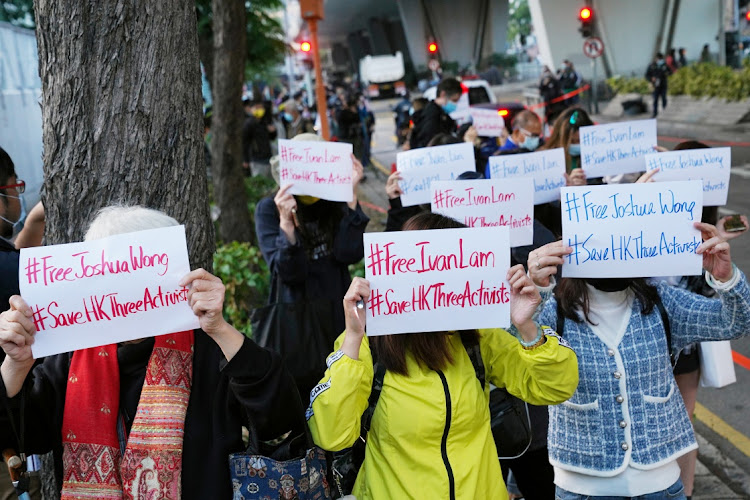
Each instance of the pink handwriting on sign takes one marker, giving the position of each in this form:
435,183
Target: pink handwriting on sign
437,296
307,155
451,198
384,262
98,266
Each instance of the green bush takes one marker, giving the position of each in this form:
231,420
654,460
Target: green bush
623,85
244,272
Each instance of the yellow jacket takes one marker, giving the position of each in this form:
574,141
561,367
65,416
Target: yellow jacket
416,448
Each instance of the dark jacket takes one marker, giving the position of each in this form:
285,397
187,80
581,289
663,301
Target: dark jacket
428,123
253,383
9,258
657,74
399,214
322,271
256,140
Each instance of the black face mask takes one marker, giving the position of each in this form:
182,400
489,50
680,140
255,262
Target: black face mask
610,284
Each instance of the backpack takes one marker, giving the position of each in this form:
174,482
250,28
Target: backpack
509,421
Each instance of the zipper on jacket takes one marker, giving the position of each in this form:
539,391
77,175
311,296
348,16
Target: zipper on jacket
444,442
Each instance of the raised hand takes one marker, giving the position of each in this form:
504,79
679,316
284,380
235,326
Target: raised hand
17,331
392,189
356,317
544,260
715,251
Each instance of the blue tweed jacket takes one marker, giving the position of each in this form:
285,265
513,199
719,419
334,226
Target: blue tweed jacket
627,408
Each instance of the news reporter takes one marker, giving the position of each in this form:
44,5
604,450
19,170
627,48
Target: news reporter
621,433
171,407
430,435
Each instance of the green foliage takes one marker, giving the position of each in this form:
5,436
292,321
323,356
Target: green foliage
357,270
18,13
696,80
503,61
519,22
244,272
711,80
623,85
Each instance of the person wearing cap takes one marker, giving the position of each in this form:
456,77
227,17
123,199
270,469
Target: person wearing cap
294,123
308,244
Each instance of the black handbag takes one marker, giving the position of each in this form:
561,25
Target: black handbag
301,332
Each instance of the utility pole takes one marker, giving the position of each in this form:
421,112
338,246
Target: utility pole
312,12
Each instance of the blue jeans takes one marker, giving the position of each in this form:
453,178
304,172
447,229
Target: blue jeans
674,492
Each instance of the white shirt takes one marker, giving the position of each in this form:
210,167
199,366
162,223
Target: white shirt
610,312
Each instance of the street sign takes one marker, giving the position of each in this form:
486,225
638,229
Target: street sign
433,64
593,47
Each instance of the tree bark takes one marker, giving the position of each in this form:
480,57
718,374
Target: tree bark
226,124
121,108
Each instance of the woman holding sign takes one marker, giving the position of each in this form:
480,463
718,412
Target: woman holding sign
430,435
150,418
621,433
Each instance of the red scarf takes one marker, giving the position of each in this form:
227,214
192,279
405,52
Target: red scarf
151,467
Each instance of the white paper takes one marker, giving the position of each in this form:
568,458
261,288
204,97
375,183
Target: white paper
488,122
120,288
419,167
489,203
320,169
437,280
632,230
547,168
712,166
617,148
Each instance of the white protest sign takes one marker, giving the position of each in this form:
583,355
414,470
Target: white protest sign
488,122
710,165
632,230
419,167
547,168
320,169
437,280
617,148
120,288
489,203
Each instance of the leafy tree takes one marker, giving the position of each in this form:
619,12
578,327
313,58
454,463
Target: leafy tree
17,12
519,21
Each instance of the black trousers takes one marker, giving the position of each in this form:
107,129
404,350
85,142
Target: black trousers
660,92
534,475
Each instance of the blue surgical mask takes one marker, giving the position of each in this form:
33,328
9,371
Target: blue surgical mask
288,117
22,216
574,150
530,143
449,107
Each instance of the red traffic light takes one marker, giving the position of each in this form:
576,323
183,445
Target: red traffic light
585,14
747,15
305,46
432,47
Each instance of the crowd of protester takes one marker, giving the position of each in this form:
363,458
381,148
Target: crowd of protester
571,346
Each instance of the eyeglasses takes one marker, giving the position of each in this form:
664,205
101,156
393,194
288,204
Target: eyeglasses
19,186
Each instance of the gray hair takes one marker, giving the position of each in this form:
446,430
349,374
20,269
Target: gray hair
119,219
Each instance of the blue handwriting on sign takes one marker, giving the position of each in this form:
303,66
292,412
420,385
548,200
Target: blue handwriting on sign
621,206
626,247
612,135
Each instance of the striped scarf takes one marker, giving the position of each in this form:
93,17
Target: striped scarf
151,466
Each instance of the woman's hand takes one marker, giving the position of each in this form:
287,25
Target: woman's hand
358,171
286,204
660,149
543,262
355,317
524,300
647,176
472,135
576,177
17,331
724,234
715,251
392,189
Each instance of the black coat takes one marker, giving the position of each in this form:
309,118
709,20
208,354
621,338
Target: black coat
431,121
254,383
9,258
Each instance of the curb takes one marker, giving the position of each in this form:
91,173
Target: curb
723,467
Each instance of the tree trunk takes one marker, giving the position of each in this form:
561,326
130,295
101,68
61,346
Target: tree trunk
226,124
121,109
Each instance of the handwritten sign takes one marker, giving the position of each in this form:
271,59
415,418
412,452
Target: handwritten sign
488,122
437,280
712,166
632,230
111,290
617,148
489,203
419,167
320,169
547,168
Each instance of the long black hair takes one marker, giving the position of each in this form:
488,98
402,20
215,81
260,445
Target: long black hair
572,295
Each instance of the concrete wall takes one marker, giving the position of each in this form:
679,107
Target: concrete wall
629,30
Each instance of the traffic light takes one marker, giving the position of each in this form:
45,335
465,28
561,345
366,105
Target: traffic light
432,48
747,15
586,16
305,46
